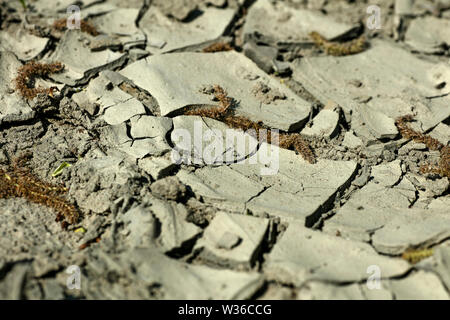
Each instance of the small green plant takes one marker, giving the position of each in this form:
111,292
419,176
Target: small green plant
23,3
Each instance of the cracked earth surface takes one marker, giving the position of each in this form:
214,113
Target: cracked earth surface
98,136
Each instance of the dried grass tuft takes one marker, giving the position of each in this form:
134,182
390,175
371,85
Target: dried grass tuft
18,181
26,75
414,256
224,113
218,47
337,48
443,168
85,26
296,141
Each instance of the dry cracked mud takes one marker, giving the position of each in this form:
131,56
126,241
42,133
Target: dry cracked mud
126,150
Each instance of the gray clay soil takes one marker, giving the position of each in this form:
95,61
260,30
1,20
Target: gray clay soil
151,228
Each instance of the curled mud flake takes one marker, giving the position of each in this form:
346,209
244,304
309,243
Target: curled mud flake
18,181
337,48
217,47
225,113
85,26
26,75
443,167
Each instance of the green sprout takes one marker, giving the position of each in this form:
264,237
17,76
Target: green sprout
60,169
24,5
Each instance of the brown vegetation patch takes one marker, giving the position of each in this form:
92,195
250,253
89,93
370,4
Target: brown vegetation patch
18,181
339,48
27,74
85,26
218,47
443,167
224,113
416,255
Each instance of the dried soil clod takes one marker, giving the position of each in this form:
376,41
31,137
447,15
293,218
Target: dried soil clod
18,181
27,74
224,113
443,168
337,48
